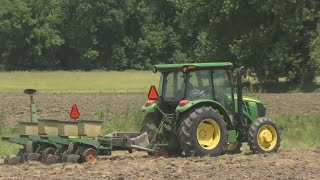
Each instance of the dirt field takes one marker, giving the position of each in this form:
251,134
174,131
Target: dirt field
287,164
298,164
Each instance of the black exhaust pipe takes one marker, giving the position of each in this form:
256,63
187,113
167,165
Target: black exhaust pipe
239,98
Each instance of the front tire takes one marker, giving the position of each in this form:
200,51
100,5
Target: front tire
264,136
203,132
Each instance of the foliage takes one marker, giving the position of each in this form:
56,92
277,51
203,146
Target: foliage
127,120
271,38
299,132
5,147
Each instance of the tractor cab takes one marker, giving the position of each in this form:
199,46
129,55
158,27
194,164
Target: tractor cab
194,82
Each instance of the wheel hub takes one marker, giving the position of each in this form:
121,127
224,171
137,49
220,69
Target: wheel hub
208,134
267,137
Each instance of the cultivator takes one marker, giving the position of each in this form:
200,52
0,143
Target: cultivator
56,149
53,141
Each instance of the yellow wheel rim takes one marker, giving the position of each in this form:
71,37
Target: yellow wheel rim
267,137
208,134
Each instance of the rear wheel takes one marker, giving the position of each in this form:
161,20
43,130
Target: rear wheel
264,136
203,132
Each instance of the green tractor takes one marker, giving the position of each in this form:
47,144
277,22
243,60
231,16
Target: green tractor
200,111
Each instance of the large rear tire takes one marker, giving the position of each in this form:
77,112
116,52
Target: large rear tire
203,132
264,136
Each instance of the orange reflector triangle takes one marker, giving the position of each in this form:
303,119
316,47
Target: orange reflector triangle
153,94
74,114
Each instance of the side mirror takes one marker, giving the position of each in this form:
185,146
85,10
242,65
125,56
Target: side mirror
155,70
238,70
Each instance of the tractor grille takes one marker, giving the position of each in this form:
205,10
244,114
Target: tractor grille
261,110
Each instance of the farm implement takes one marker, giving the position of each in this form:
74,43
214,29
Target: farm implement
54,141
198,111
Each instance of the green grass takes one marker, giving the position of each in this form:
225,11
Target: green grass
128,120
5,147
318,80
64,81
299,132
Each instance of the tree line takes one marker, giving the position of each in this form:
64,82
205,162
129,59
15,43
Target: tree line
271,38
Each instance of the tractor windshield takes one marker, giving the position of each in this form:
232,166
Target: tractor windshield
173,86
192,85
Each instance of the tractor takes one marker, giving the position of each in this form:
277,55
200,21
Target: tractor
199,110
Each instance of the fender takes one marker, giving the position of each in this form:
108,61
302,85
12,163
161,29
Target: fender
207,102
149,109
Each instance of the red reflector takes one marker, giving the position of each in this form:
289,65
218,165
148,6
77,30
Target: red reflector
153,94
191,67
149,103
183,102
74,114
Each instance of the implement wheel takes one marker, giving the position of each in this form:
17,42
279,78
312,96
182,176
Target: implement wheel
203,132
264,136
90,155
51,159
6,160
15,160
72,158
233,147
48,151
33,157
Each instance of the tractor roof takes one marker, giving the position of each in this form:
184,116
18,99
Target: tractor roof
173,67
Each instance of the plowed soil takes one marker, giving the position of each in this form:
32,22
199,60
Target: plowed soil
286,164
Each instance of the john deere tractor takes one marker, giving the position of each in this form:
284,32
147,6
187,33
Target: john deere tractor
199,110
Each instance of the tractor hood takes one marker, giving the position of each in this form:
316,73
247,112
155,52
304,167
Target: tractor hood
251,99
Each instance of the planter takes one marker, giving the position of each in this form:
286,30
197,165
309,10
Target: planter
68,128
89,128
48,127
29,128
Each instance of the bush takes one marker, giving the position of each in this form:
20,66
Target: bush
299,132
128,119
5,147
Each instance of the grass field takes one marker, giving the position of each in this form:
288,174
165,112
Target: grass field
80,81
63,81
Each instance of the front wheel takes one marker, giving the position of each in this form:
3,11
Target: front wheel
203,132
264,136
